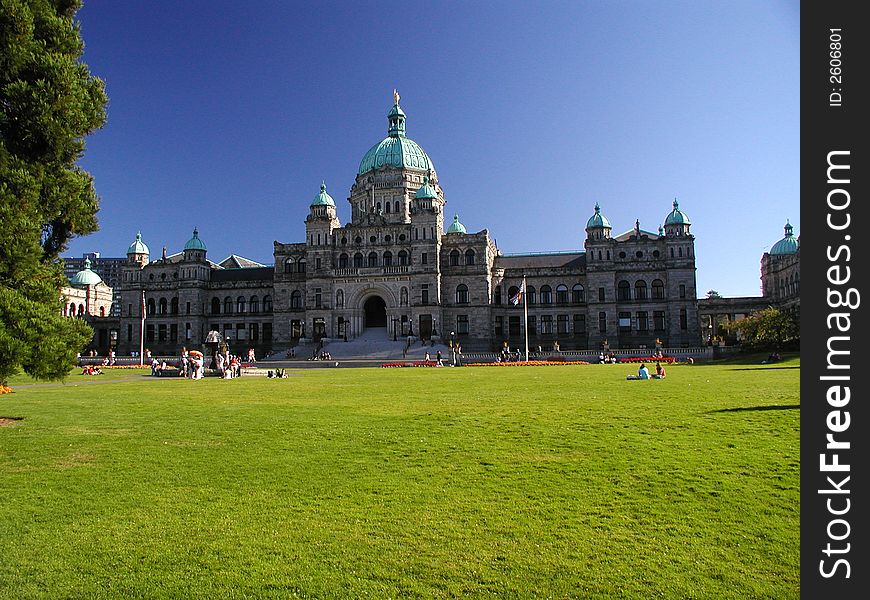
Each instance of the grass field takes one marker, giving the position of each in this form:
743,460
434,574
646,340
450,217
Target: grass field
519,482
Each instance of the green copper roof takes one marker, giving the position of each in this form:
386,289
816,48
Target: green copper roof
396,150
787,245
456,226
426,190
323,199
597,220
138,246
676,216
194,243
85,276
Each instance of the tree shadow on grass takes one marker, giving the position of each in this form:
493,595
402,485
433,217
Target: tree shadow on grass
748,408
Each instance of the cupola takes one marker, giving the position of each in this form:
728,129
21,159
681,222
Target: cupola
677,222
598,227
85,277
456,226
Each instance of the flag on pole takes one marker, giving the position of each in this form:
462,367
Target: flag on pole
142,306
518,297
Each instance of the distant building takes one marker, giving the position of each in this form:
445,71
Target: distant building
88,297
109,270
397,266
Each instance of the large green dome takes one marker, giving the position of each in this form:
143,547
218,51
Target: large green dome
85,277
597,220
787,245
676,216
195,243
138,246
323,199
396,150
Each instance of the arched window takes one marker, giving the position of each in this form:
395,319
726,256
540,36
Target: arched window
372,260
512,291
497,294
215,306
578,294
152,308
546,294
81,309
296,299
469,257
342,261
388,259
241,304
562,293
102,311
173,306
339,299
623,290
658,289
300,266
531,294
357,260
397,206
454,258
461,294
228,306
387,207
403,258
288,265
163,310
640,289
254,304
267,304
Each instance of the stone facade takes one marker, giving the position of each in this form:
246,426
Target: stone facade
394,266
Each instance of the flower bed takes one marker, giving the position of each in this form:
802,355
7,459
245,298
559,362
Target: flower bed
5,389
419,363
647,359
531,363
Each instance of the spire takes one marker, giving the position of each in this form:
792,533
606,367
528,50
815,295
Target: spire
789,230
87,264
396,118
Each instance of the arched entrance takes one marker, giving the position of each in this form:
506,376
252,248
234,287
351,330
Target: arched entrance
376,312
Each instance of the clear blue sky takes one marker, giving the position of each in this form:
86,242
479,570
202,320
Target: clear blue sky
226,116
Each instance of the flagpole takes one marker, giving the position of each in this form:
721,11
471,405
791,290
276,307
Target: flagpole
142,331
526,317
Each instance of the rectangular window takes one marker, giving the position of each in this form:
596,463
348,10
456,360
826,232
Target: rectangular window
173,332
624,321
318,298
562,323
682,290
642,321
497,294
462,324
659,320
499,327
601,294
129,310
241,331
684,321
424,294
255,331
161,333
424,258
267,332
317,263
149,333
513,326
188,308
546,324
579,324
602,322
129,333
532,325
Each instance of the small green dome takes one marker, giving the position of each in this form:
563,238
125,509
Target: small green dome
597,220
138,246
676,216
85,277
787,245
456,226
426,190
195,243
396,150
323,199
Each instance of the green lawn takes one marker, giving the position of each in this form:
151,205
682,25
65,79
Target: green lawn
507,482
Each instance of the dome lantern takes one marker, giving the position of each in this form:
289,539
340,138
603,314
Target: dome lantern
787,245
396,150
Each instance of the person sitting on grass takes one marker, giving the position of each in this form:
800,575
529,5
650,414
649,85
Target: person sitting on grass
642,373
660,371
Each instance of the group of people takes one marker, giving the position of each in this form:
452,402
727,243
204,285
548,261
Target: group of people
607,358
91,370
322,355
643,372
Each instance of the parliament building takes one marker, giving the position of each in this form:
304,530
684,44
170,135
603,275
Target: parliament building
399,264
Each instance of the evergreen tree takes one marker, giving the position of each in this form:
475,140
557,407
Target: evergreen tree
48,103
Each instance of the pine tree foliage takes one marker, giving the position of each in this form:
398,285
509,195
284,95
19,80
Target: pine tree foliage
49,102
